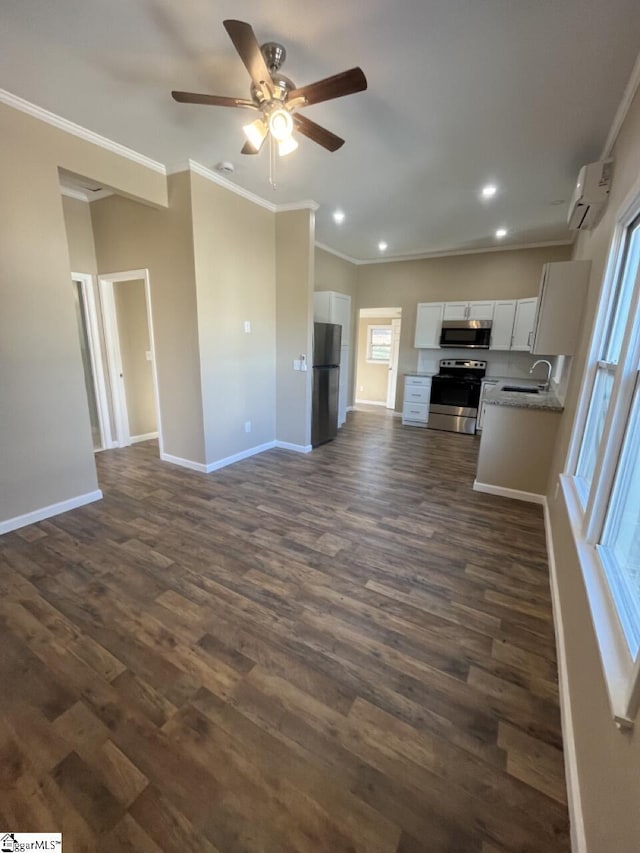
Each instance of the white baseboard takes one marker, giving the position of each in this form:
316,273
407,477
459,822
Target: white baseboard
576,818
184,463
297,448
237,457
48,511
371,403
147,436
514,494
351,408
201,468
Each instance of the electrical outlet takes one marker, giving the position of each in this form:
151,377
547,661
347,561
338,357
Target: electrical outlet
247,327
247,426
147,355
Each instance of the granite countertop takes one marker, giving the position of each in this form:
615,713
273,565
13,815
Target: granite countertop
419,373
543,400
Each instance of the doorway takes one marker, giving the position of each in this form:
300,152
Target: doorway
378,356
131,359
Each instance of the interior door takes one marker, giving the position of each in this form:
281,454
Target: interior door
393,364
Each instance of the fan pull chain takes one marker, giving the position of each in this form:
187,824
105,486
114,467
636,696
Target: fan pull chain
272,163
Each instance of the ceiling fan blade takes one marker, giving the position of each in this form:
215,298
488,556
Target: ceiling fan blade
248,148
245,42
345,83
212,100
318,134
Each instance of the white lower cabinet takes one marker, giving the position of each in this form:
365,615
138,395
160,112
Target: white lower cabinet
486,384
415,408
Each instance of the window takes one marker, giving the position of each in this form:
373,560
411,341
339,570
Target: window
379,339
602,481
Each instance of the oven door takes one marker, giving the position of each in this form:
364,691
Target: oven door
456,393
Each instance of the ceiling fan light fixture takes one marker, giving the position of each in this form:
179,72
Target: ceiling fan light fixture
286,146
256,133
280,125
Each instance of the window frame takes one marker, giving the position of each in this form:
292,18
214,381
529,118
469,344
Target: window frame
621,671
371,328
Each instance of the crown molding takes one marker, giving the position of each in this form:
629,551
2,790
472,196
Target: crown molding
623,108
216,178
425,256
74,129
297,205
338,254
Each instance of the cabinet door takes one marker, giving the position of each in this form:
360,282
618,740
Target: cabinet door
502,329
523,324
322,306
428,325
481,403
562,296
455,310
341,313
481,310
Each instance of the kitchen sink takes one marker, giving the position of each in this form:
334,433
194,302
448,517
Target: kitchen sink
521,389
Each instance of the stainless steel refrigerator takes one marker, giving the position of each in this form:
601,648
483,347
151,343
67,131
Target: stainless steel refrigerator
327,338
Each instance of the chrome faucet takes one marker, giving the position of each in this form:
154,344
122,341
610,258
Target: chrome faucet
547,382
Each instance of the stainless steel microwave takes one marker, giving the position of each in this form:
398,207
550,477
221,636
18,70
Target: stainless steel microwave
466,334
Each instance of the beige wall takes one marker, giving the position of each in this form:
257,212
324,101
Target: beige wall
488,275
82,249
46,453
235,267
334,273
131,236
133,334
294,324
371,379
608,760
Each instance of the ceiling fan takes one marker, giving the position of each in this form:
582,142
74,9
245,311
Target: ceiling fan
276,97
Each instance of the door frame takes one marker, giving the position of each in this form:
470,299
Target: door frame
86,282
106,282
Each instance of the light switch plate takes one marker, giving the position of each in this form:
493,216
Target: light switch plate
247,327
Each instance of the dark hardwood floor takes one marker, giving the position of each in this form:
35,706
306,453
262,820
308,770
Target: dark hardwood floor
345,651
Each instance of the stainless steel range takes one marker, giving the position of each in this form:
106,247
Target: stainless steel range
455,392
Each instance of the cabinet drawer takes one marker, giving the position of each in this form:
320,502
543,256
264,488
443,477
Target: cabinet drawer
415,412
423,381
417,394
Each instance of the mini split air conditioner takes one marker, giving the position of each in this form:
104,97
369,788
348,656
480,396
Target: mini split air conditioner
591,194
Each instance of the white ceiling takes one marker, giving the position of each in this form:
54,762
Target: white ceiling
461,92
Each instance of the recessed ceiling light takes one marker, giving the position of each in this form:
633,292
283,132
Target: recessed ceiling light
489,191
382,246
338,217
501,232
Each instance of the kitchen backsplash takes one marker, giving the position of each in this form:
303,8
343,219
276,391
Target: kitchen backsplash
508,364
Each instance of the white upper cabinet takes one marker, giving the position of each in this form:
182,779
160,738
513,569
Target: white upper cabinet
524,323
428,324
332,307
468,310
481,310
562,296
455,310
503,318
